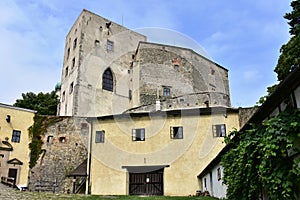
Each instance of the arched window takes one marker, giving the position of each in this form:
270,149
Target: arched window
107,80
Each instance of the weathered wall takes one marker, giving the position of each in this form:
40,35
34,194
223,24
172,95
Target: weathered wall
186,157
20,120
192,79
91,59
61,156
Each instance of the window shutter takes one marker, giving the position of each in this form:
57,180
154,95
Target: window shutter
171,132
214,130
133,135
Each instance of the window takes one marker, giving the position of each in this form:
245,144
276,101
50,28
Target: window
75,43
73,63
176,132
67,71
16,135
138,134
130,94
100,136
71,87
63,96
107,80
62,139
97,42
219,130
68,53
167,91
219,173
50,139
176,68
110,45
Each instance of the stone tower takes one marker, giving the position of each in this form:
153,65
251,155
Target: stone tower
109,69
97,52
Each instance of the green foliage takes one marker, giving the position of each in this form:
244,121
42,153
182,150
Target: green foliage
36,131
290,52
44,104
270,90
260,157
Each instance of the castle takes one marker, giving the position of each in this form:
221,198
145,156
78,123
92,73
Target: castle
149,117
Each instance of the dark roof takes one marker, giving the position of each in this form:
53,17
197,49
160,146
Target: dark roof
284,89
144,169
180,112
80,170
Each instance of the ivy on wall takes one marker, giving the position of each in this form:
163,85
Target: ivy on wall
264,158
36,132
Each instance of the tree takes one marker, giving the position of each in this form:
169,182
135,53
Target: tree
290,52
44,104
262,157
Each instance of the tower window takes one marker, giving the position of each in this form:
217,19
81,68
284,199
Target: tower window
167,91
67,71
75,43
110,46
73,63
71,87
107,80
100,135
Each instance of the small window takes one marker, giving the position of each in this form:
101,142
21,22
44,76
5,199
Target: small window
16,135
50,139
205,185
68,53
71,87
167,91
67,71
107,80
97,42
63,96
219,130
62,139
110,46
75,43
176,68
138,134
176,132
73,63
130,94
100,136
219,176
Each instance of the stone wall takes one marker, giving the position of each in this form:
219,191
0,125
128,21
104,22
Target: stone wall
65,144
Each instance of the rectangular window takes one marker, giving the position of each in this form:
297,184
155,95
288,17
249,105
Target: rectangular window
63,96
110,45
68,53
138,134
176,132
75,43
100,136
219,176
16,135
50,139
67,71
73,63
219,130
167,91
71,87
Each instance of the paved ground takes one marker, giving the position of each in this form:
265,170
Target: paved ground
8,193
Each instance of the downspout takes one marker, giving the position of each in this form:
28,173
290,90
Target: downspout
88,183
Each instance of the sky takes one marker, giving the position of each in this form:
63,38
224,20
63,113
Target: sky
243,36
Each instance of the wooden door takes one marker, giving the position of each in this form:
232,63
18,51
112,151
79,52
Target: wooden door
150,183
12,173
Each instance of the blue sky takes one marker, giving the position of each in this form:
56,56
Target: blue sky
243,36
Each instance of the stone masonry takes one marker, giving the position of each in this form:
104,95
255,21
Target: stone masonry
65,148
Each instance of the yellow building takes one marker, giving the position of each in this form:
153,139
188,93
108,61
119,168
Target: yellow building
14,141
156,153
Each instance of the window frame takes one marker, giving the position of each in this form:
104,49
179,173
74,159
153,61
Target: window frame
138,134
166,91
177,135
100,136
219,130
108,80
16,136
109,46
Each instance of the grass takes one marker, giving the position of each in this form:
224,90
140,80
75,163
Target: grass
50,196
